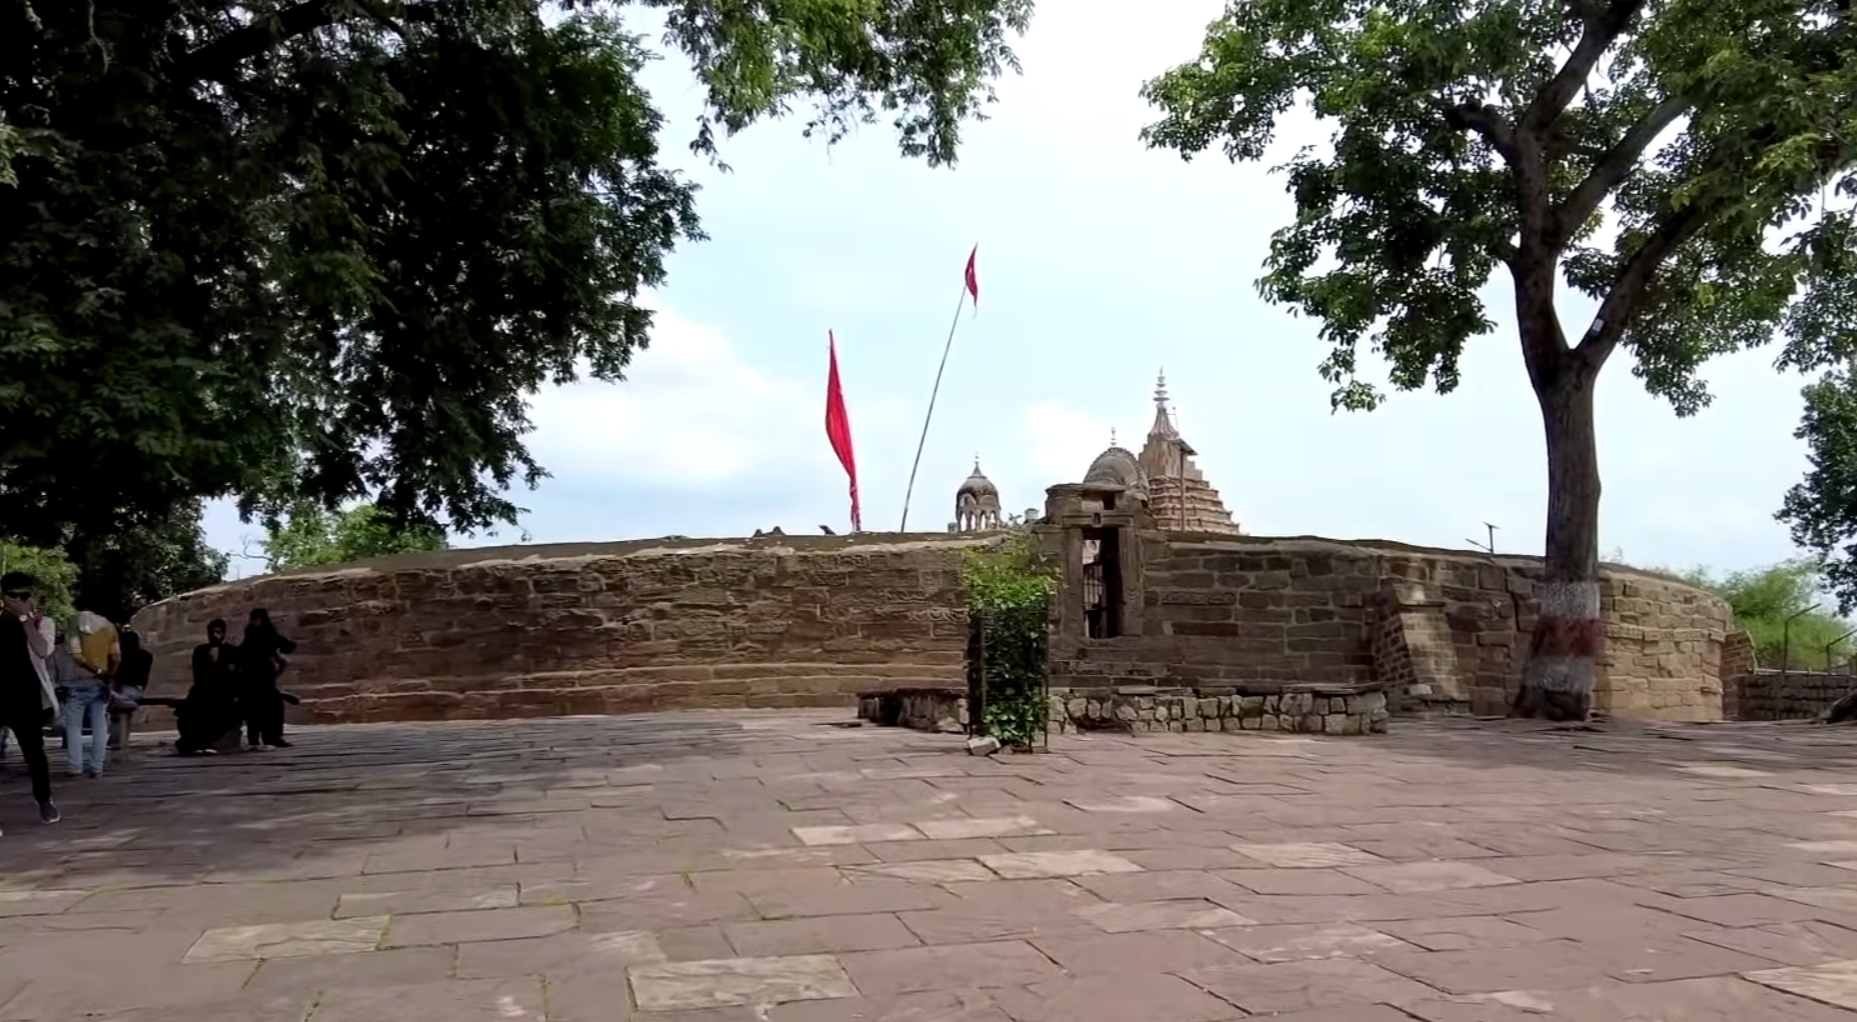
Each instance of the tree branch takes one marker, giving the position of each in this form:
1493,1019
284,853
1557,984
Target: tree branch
1602,24
1611,168
218,59
1627,292
1486,121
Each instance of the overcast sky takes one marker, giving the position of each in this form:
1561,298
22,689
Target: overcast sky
1100,262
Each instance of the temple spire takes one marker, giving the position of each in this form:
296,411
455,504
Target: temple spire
1163,427
1178,495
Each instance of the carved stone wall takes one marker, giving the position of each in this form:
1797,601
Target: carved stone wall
598,628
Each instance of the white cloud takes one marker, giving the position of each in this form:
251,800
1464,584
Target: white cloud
691,414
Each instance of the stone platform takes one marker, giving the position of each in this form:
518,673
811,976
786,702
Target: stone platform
788,868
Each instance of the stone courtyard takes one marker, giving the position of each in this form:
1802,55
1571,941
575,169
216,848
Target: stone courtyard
783,867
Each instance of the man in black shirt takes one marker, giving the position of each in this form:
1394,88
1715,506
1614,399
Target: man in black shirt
22,698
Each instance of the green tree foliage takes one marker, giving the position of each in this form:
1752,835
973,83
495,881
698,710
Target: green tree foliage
309,535
55,575
326,249
1764,598
1822,508
1504,135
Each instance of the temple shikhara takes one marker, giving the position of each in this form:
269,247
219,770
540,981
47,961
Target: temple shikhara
1163,476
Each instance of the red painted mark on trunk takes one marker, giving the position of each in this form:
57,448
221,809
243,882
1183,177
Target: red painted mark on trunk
1569,636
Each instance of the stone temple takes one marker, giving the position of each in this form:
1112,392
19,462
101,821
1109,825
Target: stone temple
1163,476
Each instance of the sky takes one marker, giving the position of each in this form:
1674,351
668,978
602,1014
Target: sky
1100,263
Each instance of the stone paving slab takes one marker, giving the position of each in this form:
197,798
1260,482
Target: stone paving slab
782,867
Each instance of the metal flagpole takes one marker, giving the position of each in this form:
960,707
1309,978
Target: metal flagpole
904,527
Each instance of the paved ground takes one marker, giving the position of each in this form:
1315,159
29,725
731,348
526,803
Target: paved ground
728,868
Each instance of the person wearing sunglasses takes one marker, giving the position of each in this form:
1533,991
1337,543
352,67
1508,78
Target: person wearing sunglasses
23,709
48,632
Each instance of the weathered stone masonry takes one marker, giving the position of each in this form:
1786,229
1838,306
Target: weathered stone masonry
1436,630
812,621
598,628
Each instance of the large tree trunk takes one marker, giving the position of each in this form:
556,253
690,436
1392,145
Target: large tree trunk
1557,682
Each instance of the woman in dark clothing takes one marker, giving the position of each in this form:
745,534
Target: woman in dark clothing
260,658
212,705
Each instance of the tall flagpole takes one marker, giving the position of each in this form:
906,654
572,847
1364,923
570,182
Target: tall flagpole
904,527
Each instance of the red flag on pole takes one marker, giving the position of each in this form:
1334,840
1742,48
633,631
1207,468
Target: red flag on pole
973,278
838,428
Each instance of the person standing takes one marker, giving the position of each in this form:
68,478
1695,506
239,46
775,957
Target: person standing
261,657
211,707
48,633
96,650
22,695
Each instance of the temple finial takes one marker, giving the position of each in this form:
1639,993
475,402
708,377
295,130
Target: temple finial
1160,388
1112,436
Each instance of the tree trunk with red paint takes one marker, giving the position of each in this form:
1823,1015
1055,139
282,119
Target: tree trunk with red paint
1569,636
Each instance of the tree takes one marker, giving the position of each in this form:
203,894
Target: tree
1822,508
148,558
1765,599
1663,157
325,249
309,536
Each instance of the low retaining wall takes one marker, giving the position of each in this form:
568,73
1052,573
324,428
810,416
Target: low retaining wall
1317,710
1768,694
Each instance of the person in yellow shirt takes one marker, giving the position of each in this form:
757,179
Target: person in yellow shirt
96,649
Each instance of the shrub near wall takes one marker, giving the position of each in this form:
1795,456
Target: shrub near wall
1009,591
599,628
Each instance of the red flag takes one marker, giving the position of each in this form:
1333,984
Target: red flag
973,278
838,428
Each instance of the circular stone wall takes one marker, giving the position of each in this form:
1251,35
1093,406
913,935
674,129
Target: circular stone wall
811,621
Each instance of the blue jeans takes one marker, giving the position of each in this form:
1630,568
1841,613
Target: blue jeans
83,701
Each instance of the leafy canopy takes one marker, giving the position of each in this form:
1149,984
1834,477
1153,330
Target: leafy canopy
325,249
310,535
1667,157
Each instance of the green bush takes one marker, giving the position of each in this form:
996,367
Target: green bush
1009,592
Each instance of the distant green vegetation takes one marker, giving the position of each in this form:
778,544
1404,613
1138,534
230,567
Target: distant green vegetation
1763,598
311,536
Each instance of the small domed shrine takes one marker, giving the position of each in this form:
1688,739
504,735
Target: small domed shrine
976,503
